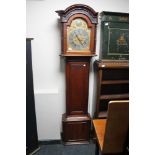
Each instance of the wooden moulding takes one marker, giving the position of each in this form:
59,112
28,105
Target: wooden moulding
74,118
112,64
78,55
78,8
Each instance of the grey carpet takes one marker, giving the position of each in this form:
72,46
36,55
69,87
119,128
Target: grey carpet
59,149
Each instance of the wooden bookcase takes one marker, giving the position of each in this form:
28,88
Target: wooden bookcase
112,83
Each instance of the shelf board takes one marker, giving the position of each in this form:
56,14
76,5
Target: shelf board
77,55
112,64
114,96
102,114
115,82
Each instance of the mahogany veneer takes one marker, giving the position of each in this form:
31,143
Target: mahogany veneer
76,121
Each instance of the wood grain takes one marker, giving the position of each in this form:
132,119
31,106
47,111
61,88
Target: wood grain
77,80
99,125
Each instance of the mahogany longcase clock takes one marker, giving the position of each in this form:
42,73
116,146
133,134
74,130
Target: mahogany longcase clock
78,46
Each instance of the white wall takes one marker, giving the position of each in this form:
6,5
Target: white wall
48,67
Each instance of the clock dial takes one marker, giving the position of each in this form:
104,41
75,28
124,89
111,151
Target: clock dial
79,39
78,36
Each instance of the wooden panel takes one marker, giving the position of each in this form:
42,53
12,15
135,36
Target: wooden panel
76,131
77,87
99,79
116,127
76,128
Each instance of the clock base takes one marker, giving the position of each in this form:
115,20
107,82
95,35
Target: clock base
76,129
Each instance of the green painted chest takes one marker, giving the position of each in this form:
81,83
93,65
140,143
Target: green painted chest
114,36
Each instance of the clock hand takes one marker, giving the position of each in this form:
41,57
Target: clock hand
79,39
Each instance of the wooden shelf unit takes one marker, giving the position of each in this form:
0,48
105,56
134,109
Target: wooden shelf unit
112,83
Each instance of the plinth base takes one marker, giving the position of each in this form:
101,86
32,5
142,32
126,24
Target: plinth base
76,129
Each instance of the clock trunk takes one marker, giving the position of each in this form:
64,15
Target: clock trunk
77,80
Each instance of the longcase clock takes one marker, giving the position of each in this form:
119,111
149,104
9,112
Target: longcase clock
78,46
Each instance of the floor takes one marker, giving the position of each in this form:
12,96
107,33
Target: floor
59,149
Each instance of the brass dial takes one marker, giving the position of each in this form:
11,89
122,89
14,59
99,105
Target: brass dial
78,36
